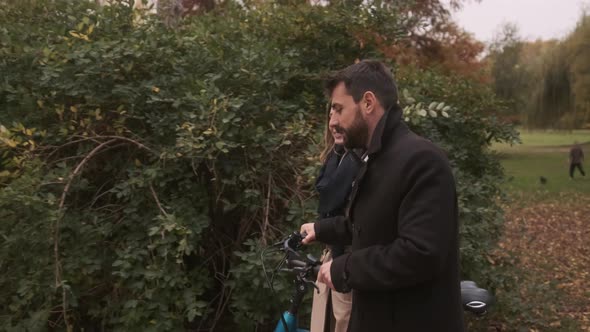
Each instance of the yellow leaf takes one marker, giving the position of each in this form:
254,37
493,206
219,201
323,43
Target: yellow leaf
79,35
73,109
90,29
9,142
40,103
155,89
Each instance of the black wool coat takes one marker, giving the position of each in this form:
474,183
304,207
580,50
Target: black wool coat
402,223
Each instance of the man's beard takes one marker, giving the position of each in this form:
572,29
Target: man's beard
357,135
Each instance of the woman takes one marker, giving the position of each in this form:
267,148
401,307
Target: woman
331,310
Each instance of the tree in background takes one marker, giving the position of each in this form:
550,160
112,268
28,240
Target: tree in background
435,40
545,83
560,95
508,72
432,38
578,49
550,97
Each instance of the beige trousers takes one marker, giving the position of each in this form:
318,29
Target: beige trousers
341,306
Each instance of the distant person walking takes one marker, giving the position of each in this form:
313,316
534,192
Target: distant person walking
576,159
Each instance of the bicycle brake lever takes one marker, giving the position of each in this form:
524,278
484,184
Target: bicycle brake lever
313,284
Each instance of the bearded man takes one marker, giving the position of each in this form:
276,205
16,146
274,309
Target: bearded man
401,218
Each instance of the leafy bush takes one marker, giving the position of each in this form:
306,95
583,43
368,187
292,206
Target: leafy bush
144,167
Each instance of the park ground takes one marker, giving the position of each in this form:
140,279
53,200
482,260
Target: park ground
546,233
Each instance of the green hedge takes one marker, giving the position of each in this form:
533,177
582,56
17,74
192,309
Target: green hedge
143,168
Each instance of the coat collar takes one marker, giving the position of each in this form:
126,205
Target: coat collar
390,121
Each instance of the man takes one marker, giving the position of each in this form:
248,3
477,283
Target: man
576,159
401,217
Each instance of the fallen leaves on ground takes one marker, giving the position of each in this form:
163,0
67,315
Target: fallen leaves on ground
550,241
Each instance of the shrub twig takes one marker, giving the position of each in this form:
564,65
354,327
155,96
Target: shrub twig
266,209
58,267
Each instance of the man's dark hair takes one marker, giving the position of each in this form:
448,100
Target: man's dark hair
367,75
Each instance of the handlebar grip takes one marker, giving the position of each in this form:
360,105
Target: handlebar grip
291,263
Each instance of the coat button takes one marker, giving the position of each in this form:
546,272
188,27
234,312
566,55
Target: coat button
357,230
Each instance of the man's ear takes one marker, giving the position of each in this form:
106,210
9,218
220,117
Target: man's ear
369,102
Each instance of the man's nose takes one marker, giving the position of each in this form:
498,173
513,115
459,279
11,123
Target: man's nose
333,120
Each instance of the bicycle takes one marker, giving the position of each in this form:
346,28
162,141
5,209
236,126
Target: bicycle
474,299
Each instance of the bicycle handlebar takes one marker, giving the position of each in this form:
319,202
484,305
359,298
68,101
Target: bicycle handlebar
306,268
301,266
293,241
474,299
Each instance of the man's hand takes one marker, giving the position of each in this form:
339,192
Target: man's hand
324,274
308,228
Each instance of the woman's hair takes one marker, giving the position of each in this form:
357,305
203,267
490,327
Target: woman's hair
328,138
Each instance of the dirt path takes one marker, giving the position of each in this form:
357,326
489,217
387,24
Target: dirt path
551,242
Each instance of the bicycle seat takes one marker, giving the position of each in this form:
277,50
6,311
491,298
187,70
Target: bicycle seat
474,299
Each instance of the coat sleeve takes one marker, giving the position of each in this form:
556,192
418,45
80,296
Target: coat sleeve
333,231
427,231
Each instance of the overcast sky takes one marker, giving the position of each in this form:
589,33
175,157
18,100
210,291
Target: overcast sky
543,19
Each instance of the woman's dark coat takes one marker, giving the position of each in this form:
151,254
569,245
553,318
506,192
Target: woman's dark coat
334,185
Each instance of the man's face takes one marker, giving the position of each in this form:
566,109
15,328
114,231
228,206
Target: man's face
346,120
338,137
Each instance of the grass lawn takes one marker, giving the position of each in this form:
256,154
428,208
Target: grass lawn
544,154
524,169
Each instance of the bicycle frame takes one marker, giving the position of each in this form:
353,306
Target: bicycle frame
289,321
304,268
